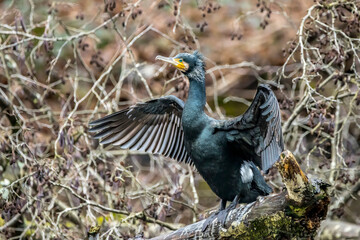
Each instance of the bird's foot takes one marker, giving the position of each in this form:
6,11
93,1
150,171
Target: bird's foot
220,216
209,220
233,204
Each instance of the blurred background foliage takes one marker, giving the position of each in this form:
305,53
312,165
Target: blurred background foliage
65,63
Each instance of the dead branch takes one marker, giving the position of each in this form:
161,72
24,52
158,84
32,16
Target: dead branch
295,212
333,230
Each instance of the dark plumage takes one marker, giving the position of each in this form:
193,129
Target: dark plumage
227,154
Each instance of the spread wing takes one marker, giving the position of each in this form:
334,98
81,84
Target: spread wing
258,130
154,127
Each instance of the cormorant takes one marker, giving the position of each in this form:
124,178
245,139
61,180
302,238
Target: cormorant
227,153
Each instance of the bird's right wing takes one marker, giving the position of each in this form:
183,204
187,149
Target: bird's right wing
154,127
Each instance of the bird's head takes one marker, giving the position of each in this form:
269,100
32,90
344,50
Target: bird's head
190,64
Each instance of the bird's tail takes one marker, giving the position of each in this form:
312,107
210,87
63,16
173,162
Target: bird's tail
259,181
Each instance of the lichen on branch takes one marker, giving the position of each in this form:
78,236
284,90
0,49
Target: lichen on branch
295,212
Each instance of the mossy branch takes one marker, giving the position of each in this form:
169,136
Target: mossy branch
294,213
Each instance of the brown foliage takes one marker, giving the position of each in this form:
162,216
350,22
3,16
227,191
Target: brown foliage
63,64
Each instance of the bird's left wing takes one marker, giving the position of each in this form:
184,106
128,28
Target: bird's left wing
153,126
259,129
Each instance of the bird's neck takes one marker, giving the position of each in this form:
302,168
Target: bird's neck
194,118
197,94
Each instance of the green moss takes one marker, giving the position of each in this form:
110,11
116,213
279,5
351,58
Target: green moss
296,222
2,222
298,211
268,227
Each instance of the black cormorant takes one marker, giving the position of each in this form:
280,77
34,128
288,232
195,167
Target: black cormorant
227,153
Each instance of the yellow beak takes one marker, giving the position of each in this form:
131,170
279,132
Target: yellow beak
174,61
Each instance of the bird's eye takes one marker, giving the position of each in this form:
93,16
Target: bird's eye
180,60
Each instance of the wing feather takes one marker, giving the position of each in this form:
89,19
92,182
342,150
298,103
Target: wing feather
172,139
258,130
162,135
154,127
146,145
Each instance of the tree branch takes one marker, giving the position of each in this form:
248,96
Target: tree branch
336,230
295,212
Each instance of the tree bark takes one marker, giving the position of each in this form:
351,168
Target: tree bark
292,214
338,230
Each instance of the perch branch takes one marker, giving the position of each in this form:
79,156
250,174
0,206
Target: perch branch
297,211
